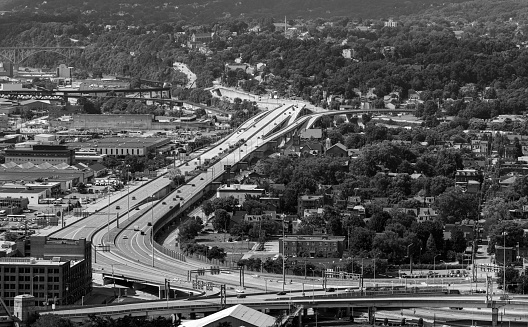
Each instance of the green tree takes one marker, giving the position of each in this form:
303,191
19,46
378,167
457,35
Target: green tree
221,220
189,229
514,234
431,244
454,205
458,240
512,275
52,320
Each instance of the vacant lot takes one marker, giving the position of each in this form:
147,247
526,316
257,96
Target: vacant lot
235,250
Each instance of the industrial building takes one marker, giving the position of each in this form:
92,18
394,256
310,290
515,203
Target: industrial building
38,154
33,195
112,122
66,177
122,146
57,271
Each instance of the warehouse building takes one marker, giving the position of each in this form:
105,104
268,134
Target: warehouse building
122,146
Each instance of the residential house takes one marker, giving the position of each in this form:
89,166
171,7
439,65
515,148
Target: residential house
426,214
312,134
310,202
337,150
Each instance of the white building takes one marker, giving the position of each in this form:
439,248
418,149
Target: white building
239,191
237,316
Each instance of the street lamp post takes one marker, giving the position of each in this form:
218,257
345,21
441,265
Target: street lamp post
410,257
283,255
324,275
152,228
108,211
434,268
128,193
504,263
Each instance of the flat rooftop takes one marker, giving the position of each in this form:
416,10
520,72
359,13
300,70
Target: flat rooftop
116,142
19,190
239,187
8,175
32,261
314,238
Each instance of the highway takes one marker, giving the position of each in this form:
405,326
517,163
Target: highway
85,228
273,301
131,254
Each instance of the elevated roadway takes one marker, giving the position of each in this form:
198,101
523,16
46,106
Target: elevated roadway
274,302
131,253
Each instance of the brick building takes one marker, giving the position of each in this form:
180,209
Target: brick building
312,246
57,271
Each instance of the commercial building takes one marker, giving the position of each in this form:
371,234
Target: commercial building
122,146
13,205
33,196
64,71
6,69
312,246
58,271
239,191
37,154
66,177
112,122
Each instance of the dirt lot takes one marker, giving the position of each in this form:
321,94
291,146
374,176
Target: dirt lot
235,250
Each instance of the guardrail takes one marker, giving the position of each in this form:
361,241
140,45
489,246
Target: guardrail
171,253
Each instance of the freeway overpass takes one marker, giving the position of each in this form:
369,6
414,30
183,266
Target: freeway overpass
266,302
134,256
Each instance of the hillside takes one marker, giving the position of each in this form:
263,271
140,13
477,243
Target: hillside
204,11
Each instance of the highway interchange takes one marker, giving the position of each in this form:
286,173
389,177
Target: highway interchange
131,253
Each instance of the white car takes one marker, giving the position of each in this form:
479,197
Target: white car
238,290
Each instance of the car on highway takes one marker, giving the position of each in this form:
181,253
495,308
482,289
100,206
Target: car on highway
133,198
137,208
241,296
349,290
238,290
281,293
163,202
118,208
125,237
330,289
26,211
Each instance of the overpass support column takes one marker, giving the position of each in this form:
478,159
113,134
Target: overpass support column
494,316
301,314
372,315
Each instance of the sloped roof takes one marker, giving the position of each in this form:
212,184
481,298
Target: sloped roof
249,316
338,145
45,165
316,133
27,165
62,165
97,167
10,164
